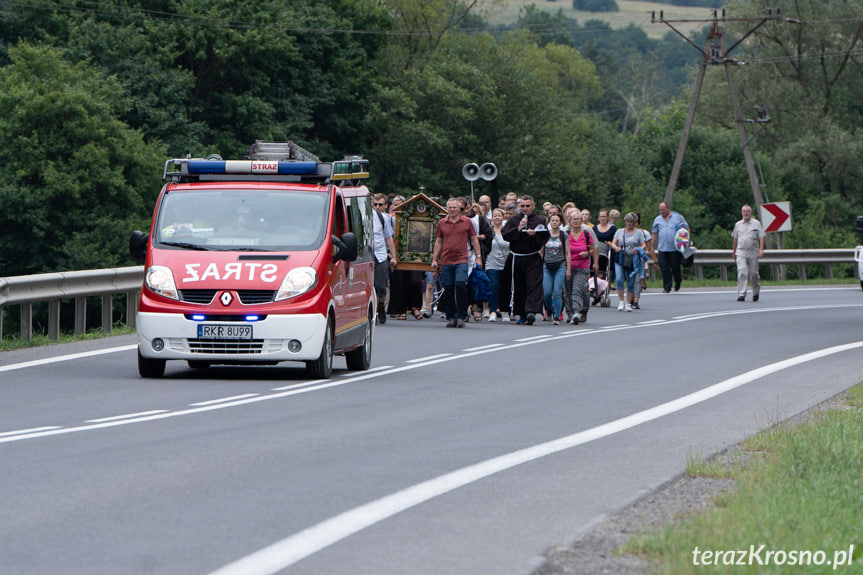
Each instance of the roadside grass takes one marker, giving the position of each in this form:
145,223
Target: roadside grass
801,490
13,342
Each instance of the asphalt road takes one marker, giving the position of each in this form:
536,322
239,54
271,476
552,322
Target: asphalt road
461,451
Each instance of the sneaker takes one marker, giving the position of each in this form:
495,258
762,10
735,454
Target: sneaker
492,317
546,317
521,321
676,287
555,322
635,305
426,312
620,306
382,317
459,323
530,319
583,317
575,319
755,298
627,308
742,298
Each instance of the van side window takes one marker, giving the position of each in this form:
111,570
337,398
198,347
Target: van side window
360,213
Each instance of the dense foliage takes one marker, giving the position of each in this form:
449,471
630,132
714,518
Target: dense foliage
94,96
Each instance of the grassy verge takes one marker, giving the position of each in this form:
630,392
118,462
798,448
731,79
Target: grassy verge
800,495
39,340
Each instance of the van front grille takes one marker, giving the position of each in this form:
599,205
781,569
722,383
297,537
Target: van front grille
225,346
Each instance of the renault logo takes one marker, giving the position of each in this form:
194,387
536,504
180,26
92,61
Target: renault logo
226,298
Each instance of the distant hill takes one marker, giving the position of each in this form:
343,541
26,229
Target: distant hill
631,12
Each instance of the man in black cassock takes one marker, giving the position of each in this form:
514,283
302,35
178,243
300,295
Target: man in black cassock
526,234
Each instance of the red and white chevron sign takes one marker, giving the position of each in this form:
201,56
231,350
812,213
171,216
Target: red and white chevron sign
776,217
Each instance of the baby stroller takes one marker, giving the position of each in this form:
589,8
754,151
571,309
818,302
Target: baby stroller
599,288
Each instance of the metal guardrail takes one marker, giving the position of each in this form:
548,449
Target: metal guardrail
777,259
79,285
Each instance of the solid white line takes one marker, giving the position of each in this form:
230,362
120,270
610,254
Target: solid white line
534,338
371,369
224,399
428,358
58,359
652,322
127,416
32,430
483,347
615,326
294,548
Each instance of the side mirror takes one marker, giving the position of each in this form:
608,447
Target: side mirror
138,245
345,248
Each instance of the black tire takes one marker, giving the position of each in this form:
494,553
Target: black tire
148,367
360,359
198,364
322,368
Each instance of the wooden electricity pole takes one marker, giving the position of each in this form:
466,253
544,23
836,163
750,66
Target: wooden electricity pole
716,53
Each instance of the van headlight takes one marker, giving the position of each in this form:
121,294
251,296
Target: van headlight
297,282
160,280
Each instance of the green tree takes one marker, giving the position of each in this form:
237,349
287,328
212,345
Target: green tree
807,73
74,180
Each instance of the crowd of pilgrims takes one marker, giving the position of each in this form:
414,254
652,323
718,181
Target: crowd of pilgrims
568,293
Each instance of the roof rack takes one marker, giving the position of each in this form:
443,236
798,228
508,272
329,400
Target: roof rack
278,151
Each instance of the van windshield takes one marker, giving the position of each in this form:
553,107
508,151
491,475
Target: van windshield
253,220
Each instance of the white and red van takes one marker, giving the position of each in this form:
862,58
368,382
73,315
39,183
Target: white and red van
258,261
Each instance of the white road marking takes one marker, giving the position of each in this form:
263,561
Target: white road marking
60,358
534,338
483,347
127,416
224,399
428,358
31,430
294,548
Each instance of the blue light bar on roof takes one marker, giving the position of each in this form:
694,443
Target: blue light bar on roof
253,167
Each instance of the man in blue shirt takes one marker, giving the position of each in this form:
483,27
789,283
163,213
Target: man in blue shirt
664,230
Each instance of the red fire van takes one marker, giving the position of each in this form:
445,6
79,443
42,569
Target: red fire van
258,261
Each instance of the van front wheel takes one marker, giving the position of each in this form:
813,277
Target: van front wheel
148,367
322,368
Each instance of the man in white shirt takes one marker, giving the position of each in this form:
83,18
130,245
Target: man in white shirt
746,247
384,245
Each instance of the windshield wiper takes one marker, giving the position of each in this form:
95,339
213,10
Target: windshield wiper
186,245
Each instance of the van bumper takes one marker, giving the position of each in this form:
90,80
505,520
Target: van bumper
173,336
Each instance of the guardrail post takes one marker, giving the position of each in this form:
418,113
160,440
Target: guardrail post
26,321
107,312
829,271
801,271
1,323
723,273
131,308
80,315
54,319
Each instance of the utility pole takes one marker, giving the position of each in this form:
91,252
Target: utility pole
715,53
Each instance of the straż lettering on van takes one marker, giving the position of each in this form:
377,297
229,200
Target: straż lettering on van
258,261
